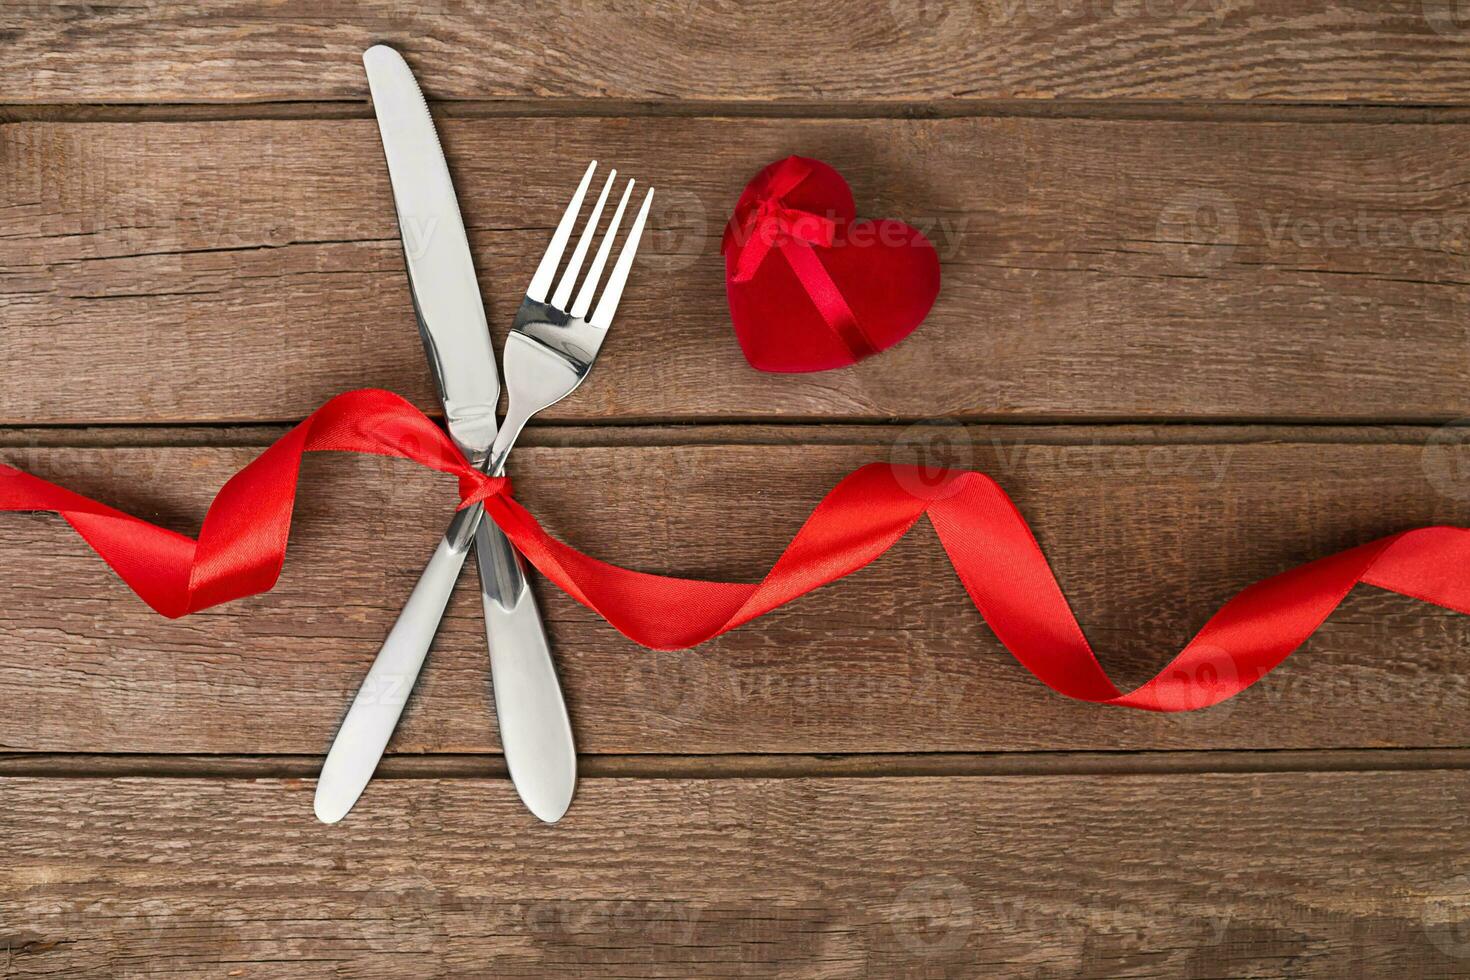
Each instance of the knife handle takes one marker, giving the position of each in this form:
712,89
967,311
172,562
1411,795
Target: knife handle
370,721
535,732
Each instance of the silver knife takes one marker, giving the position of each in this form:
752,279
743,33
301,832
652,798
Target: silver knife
536,734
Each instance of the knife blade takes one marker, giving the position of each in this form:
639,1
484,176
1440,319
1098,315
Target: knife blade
441,274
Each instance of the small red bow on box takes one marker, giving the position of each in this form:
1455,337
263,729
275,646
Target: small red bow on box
773,224
841,290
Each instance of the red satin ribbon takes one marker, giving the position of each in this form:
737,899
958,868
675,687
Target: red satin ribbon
793,232
242,545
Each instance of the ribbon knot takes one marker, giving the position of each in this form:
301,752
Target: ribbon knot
476,487
773,225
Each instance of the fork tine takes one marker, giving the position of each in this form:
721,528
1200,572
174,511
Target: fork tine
569,277
608,304
589,285
546,271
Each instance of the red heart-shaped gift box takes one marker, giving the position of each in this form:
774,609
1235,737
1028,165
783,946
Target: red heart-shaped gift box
812,288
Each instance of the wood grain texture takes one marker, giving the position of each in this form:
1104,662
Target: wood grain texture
1148,534
1300,875
770,51
862,785
1092,269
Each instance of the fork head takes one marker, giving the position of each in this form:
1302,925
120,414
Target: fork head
554,341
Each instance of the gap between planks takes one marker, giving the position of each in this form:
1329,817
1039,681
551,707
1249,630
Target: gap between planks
1120,110
751,766
844,432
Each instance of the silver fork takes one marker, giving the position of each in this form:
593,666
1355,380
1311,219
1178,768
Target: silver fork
548,353
551,346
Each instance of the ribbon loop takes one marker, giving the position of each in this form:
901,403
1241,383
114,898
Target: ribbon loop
773,225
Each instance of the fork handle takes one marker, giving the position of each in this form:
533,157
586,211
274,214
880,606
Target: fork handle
535,732
370,721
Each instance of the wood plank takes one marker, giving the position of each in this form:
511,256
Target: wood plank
259,263
1300,875
1148,533
775,51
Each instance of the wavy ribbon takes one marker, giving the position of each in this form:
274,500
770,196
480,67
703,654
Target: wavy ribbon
242,545
772,225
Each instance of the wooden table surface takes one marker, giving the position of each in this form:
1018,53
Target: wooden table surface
1205,311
